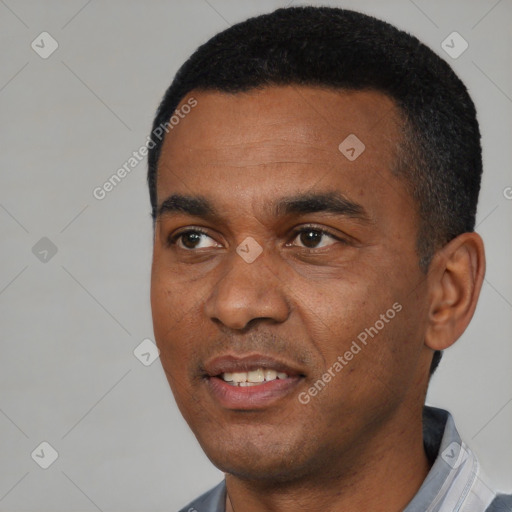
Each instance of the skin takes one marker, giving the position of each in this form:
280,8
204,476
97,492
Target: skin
357,445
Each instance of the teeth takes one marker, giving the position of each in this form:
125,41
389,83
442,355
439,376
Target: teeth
252,378
256,375
270,375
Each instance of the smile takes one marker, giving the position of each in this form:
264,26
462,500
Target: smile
250,382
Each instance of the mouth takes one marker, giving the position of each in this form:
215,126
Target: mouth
250,382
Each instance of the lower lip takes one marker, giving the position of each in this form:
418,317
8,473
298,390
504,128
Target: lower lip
250,397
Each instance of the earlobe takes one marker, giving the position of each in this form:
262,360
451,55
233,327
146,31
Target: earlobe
455,281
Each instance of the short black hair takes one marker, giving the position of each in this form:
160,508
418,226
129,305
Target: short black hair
439,157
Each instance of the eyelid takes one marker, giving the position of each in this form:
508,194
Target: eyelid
190,228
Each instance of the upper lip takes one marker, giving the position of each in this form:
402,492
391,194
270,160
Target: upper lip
236,363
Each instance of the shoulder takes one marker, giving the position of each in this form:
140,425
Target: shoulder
211,501
501,503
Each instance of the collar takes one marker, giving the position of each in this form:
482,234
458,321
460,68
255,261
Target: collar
454,482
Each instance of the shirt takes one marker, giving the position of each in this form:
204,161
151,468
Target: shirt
453,484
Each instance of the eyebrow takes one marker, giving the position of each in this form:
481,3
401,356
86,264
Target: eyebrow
301,204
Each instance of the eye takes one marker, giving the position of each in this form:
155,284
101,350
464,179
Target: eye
192,239
315,238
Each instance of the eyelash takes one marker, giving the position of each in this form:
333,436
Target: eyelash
172,240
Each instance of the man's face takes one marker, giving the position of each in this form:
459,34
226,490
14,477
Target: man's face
328,273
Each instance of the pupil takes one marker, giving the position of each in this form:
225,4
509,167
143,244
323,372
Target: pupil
310,237
188,237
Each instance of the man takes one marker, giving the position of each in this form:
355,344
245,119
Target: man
314,176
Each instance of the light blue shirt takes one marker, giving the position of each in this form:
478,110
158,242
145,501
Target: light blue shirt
453,484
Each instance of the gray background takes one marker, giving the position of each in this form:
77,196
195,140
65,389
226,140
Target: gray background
69,325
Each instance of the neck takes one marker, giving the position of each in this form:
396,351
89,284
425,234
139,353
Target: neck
380,474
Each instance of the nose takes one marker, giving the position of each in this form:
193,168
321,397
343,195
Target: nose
248,291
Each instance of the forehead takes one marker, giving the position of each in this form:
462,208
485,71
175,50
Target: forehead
304,115
260,142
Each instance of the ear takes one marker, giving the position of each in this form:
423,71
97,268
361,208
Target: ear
455,279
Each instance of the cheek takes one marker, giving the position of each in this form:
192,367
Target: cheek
335,311
362,324
172,335
171,312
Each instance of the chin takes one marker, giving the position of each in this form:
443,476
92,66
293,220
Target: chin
259,458
270,472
